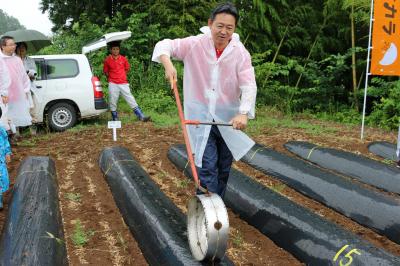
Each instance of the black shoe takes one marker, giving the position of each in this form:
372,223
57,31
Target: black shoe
145,119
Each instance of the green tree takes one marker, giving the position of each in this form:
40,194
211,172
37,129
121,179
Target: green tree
8,23
358,12
61,11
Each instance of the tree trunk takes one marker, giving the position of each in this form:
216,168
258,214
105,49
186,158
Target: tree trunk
353,56
109,8
310,53
277,52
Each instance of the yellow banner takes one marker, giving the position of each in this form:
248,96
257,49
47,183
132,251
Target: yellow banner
385,59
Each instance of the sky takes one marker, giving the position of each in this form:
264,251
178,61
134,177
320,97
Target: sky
28,14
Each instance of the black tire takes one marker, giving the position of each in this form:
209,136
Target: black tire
61,116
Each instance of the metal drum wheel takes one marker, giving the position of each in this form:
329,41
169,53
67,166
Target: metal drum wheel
208,227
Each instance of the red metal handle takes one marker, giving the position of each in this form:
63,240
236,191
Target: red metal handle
192,122
197,122
186,136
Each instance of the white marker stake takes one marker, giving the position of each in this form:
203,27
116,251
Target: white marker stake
114,125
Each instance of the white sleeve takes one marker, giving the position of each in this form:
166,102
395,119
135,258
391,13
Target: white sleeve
22,75
163,47
30,65
177,48
5,80
248,101
248,86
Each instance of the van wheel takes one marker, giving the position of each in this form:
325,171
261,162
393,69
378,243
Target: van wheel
61,116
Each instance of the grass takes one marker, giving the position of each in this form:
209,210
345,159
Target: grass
388,161
278,188
164,119
121,241
267,118
182,183
29,140
160,175
89,123
75,197
237,239
151,103
126,116
26,143
80,237
159,119
45,136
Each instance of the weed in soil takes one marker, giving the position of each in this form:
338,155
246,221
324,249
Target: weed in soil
237,239
80,236
182,183
121,241
75,197
26,143
388,161
278,188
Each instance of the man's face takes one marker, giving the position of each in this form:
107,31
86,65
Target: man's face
222,28
115,51
9,48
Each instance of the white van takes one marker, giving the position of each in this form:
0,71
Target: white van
66,89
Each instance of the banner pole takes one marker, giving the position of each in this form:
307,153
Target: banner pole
367,71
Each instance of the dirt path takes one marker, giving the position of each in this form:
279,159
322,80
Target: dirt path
86,199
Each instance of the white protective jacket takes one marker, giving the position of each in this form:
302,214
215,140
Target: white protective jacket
17,92
5,80
214,89
30,67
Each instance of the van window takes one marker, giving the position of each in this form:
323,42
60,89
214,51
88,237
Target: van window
61,68
40,69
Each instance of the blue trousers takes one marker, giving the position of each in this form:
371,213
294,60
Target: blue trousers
216,164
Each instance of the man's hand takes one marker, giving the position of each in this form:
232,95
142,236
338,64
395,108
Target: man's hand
170,71
8,158
170,74
239,121
5,99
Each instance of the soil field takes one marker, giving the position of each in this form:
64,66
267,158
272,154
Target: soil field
86,200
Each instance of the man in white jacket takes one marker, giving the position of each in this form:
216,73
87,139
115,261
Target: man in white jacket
16,95
219,85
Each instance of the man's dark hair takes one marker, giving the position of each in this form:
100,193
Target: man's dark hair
114,44
4,39
225,8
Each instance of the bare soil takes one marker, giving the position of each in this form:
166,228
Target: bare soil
76,156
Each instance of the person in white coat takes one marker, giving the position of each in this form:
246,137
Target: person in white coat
17,93
5,82
30,68
219,85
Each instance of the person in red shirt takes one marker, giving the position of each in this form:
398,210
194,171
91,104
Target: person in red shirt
115,68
